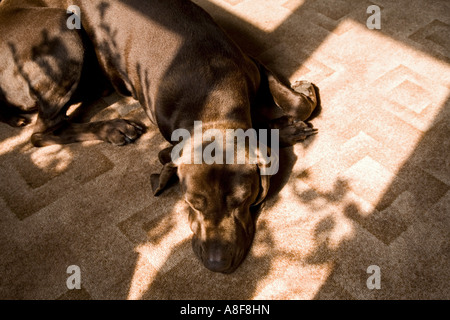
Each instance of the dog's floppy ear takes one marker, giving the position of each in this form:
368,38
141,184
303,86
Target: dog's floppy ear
298,100
263,189
168,173
161,181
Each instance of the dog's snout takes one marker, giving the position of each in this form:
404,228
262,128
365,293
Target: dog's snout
220,247
217,265
216,256
215,260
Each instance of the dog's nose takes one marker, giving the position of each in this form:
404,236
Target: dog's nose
217,266
217,261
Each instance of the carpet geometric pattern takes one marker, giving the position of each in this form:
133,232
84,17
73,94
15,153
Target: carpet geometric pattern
372,188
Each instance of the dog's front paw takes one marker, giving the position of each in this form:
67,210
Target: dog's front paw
122,132
292,131
296,132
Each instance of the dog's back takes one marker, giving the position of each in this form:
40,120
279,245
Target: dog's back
168,53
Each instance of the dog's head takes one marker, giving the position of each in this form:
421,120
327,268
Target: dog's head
220,198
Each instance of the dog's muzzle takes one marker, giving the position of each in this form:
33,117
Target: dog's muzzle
219,255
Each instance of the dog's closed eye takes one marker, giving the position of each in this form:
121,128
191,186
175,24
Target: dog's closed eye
237,200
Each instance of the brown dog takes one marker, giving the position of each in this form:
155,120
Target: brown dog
172,57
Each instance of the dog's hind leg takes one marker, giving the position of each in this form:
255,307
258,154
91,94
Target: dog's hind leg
299,101
54,127
295,105
51,66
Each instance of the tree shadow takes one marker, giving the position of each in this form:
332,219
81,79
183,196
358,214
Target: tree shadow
391,234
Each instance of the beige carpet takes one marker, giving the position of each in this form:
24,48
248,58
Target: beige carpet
372,188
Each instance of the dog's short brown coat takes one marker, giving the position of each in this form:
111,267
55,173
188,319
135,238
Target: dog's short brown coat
181,66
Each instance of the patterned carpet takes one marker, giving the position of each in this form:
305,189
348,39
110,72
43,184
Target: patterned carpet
371,189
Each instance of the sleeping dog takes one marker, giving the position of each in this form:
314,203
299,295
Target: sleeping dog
182,67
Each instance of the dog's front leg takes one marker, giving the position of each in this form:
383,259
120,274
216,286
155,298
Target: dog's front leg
118,132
